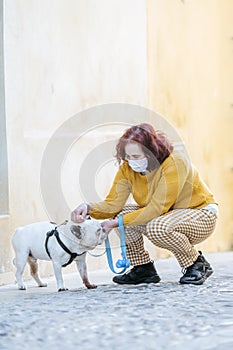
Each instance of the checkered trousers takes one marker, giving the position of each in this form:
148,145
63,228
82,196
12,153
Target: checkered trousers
177,231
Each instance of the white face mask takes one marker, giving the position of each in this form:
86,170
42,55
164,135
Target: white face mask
139,165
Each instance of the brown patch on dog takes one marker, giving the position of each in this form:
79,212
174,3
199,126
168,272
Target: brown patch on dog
33,265
76,230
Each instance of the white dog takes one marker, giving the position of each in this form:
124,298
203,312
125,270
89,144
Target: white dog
62,244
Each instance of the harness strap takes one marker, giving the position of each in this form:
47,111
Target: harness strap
64,247
48,235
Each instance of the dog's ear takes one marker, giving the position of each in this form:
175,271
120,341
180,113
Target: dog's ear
76,230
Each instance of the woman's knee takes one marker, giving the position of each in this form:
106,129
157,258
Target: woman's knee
157,230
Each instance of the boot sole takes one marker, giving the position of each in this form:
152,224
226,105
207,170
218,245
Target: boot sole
153,279
196,283
201,281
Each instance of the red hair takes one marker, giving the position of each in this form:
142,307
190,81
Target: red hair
154,144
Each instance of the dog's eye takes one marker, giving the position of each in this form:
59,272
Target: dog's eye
98,231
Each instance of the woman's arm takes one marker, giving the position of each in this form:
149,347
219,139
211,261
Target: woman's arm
116,198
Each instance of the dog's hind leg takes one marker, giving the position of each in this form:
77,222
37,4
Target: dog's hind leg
20,262
34,271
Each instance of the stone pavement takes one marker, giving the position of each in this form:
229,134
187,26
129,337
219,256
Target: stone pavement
161,316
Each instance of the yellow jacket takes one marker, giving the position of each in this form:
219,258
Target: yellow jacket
175,184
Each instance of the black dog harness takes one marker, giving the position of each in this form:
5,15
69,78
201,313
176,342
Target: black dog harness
56,234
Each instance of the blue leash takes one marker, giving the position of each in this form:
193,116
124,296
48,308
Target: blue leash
124,262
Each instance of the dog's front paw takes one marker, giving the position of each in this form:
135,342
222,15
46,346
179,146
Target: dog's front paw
22,288
42,285
62,289
91,286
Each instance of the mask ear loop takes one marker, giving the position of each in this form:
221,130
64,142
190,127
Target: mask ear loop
121,263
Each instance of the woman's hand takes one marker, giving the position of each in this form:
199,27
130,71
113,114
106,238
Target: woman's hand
108,225
79,214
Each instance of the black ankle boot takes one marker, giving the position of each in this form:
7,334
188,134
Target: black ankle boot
145,273
198,272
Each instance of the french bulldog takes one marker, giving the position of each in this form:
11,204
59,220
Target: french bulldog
62,244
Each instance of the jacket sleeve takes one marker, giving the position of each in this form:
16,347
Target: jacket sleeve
116,198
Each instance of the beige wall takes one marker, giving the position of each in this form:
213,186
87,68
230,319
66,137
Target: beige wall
172,56
61,59
190,82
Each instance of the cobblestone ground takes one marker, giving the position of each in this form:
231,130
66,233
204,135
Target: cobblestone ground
162,316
